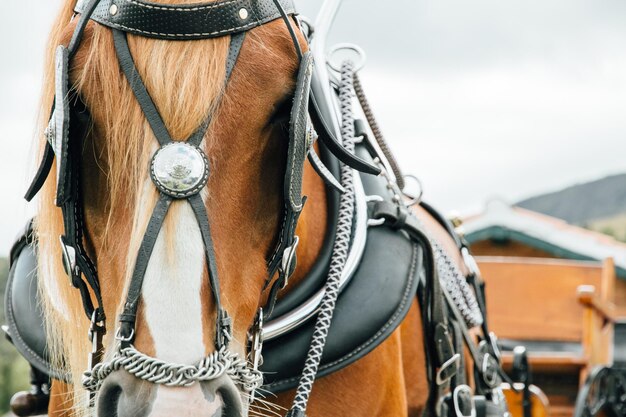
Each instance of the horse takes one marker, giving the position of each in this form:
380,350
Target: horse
179,314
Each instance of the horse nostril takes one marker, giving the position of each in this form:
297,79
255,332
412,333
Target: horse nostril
123,395
108,400
231,398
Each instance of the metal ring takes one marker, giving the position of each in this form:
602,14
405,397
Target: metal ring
489,371
413,200
118,335
455,400
358,65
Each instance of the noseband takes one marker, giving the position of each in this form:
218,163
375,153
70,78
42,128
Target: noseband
179,170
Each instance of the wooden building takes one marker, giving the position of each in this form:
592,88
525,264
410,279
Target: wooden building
503,230
555,288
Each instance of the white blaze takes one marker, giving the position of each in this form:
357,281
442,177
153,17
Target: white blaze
171,290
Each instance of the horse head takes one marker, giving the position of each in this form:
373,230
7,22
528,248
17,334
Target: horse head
170,202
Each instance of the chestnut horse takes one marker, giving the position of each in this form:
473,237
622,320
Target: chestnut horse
246,147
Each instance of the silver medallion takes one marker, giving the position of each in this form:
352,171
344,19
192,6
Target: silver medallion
179,169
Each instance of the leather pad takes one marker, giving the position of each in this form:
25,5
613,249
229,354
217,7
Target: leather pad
368,310
23,310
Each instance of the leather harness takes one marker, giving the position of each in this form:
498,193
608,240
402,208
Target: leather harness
69,124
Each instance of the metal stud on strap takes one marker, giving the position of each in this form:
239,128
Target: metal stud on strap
69,257
287,265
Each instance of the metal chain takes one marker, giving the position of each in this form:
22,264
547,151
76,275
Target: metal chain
450,275
340,248
157,371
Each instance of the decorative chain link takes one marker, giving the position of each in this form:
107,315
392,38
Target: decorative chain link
157,371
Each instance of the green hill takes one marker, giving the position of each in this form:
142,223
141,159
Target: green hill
583,203
598,205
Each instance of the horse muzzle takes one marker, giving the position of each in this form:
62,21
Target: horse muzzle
123,395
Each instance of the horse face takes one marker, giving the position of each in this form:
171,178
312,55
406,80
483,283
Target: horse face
246,146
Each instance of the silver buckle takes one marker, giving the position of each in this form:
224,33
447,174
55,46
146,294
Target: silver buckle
455,400
256,343
95,333
119,337
490,375
454,360
50,132
289,255
69,257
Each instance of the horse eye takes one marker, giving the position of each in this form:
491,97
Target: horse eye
282,112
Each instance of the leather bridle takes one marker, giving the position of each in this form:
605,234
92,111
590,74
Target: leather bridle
179,170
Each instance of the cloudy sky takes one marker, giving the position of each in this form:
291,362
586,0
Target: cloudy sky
480,99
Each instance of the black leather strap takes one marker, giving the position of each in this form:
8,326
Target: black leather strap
88,9
48,156
223,331
127,64
128,316
42,173
300,141
236,42
182,22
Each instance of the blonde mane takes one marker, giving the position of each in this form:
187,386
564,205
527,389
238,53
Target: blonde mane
185,80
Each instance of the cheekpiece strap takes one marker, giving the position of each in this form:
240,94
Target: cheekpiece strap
183,22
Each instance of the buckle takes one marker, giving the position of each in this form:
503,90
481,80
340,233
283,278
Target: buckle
448,369
95,333
124,339
287,265
466,392
224,331
255,338
50,131
69,258
489,370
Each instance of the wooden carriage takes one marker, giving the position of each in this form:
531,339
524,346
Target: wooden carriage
561,310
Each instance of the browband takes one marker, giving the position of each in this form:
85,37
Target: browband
190,21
